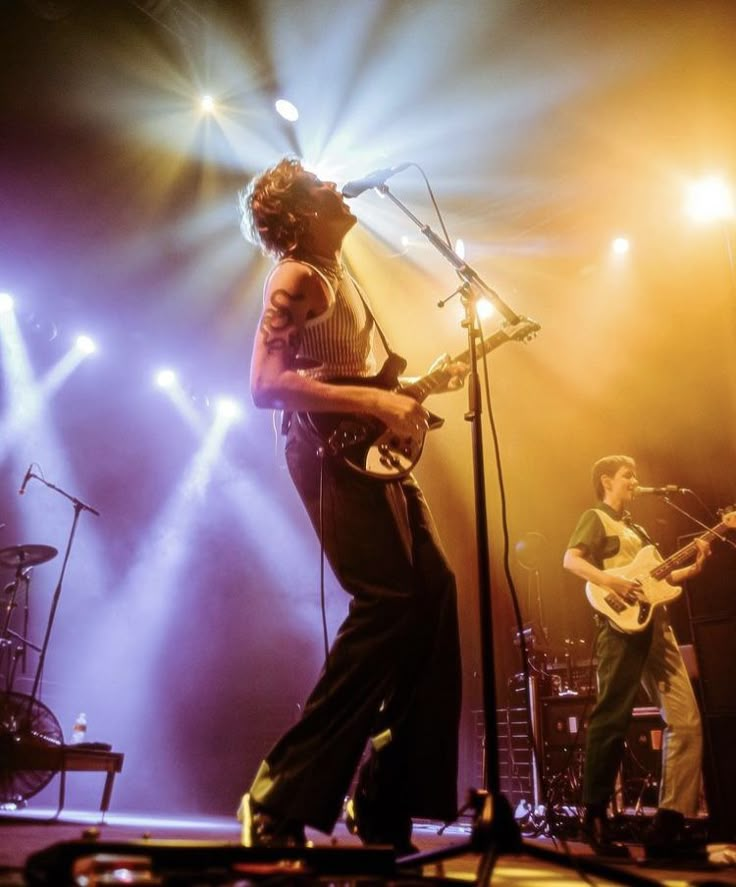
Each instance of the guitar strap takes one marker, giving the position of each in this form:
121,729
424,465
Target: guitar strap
384,341
639,530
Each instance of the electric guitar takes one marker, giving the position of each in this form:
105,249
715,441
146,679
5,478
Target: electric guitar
366,444
651,572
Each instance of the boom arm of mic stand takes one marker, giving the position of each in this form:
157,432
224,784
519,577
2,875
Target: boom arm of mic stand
78,508
468,274
709,530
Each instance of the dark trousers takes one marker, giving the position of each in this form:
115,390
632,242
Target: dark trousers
395,663
621,659
652,659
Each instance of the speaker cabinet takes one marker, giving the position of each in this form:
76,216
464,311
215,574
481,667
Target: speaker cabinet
710,595
719,773
715,649
711,599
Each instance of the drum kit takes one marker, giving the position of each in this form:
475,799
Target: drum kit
25,722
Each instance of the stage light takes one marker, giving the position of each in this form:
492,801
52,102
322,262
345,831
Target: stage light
165,378
207,104
484,309
228,408
620,245
709,200
6,303
287,110
85,345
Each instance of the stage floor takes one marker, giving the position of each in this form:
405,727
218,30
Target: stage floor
28,832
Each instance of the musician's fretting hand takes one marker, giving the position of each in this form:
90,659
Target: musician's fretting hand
457,370
703,552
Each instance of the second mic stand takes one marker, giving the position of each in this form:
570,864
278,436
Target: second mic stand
79,506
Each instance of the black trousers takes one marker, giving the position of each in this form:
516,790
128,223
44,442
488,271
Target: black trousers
395,662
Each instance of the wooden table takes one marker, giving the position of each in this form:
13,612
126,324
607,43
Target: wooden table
63,759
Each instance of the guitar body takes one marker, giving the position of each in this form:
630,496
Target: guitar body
363,442
635,616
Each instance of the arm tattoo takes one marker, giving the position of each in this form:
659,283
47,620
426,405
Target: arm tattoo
278,327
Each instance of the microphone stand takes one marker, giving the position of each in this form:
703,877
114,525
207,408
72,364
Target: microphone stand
708,530
79,506
494,828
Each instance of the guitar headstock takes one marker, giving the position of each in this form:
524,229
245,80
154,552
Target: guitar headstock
728,516
523,330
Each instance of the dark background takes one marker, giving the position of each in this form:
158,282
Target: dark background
189,625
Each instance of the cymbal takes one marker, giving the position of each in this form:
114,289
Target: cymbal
26,555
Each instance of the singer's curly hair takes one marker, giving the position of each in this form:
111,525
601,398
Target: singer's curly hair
275,209
608,465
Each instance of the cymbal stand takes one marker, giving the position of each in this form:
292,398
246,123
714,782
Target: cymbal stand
13,645
79,507
495,830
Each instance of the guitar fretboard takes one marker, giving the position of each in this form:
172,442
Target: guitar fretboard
683,555
423,387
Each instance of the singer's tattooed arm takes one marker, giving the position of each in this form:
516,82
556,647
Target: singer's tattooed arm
279,329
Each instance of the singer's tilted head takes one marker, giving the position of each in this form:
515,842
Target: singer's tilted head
288,211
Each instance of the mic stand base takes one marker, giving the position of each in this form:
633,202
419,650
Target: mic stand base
495,832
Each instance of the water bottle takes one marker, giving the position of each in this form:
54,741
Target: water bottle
79,730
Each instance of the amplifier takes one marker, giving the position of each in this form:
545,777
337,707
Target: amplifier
580,678
563,725
641,768
564,722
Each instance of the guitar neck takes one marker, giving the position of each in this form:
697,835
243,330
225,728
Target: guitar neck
432,382
686,553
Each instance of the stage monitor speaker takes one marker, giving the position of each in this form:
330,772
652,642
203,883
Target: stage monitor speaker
203,863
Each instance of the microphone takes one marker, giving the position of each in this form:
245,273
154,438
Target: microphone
660,491
371,180
29,475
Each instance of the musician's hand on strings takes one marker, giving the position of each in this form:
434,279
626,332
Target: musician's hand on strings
404,415
456,369
627,589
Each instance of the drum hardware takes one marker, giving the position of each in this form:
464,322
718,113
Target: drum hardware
25,722
14,644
